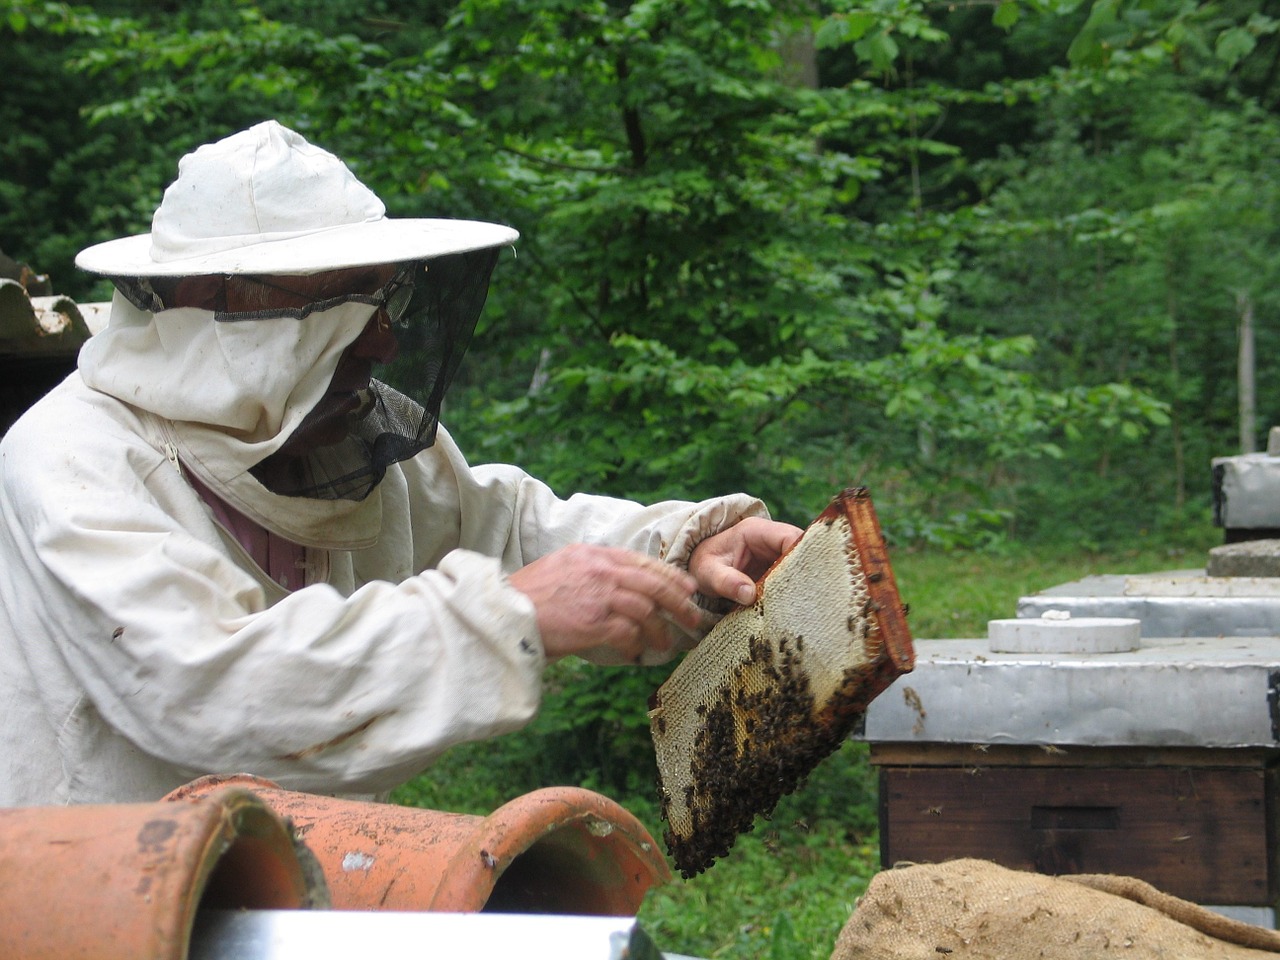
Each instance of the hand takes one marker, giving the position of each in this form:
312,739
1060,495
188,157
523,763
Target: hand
728,563
588,596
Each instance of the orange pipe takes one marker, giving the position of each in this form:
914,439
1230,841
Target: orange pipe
558,850
124,881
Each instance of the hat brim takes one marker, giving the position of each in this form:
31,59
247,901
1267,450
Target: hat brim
349,245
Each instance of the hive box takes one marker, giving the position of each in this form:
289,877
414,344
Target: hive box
1158,763
1246,492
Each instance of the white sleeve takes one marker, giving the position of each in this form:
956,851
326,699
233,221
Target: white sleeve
503,512
129,595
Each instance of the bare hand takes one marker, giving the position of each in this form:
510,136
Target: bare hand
589,596
728,563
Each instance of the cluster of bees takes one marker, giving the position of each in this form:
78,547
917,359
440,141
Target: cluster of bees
757,742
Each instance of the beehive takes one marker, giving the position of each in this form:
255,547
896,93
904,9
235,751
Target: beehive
776,686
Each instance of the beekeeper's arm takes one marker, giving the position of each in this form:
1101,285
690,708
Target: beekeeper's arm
199,660
136,612
610,579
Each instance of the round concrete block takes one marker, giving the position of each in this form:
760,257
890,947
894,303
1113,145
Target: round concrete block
1050,634
1246,558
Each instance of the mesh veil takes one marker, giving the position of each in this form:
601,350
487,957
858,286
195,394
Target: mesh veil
449,293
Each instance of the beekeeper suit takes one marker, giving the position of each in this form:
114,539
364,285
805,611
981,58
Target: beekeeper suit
228,548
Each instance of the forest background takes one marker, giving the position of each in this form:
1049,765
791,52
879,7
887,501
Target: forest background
990,258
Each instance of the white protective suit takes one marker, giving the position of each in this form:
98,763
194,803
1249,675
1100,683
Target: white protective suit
140,647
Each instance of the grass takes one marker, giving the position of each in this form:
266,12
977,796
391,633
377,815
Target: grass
955,594
787,887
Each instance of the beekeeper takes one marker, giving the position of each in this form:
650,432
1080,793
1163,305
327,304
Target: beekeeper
226,547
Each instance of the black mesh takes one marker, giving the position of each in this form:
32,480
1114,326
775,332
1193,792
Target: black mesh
138,291
448,294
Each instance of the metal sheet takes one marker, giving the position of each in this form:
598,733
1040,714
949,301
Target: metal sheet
332,934
1193,692
1175,604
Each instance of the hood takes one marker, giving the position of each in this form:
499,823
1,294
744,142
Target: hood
228,394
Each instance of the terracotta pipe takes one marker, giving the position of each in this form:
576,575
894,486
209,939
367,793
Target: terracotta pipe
559,850
125,881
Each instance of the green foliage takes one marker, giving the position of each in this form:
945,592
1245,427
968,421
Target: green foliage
954,593
728,279
787,887
593,728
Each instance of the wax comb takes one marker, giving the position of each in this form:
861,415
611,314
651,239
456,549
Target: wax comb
777,686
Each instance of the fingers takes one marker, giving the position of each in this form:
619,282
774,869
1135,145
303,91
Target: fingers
718,576
772,539
649,587
588,596
632,638
760,542
729,563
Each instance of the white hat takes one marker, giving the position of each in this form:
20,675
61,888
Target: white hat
266,201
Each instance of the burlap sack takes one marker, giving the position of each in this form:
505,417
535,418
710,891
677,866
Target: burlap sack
970,909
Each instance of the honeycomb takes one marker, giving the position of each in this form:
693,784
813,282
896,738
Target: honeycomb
777,686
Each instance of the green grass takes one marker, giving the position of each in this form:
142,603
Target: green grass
787,887
955,594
